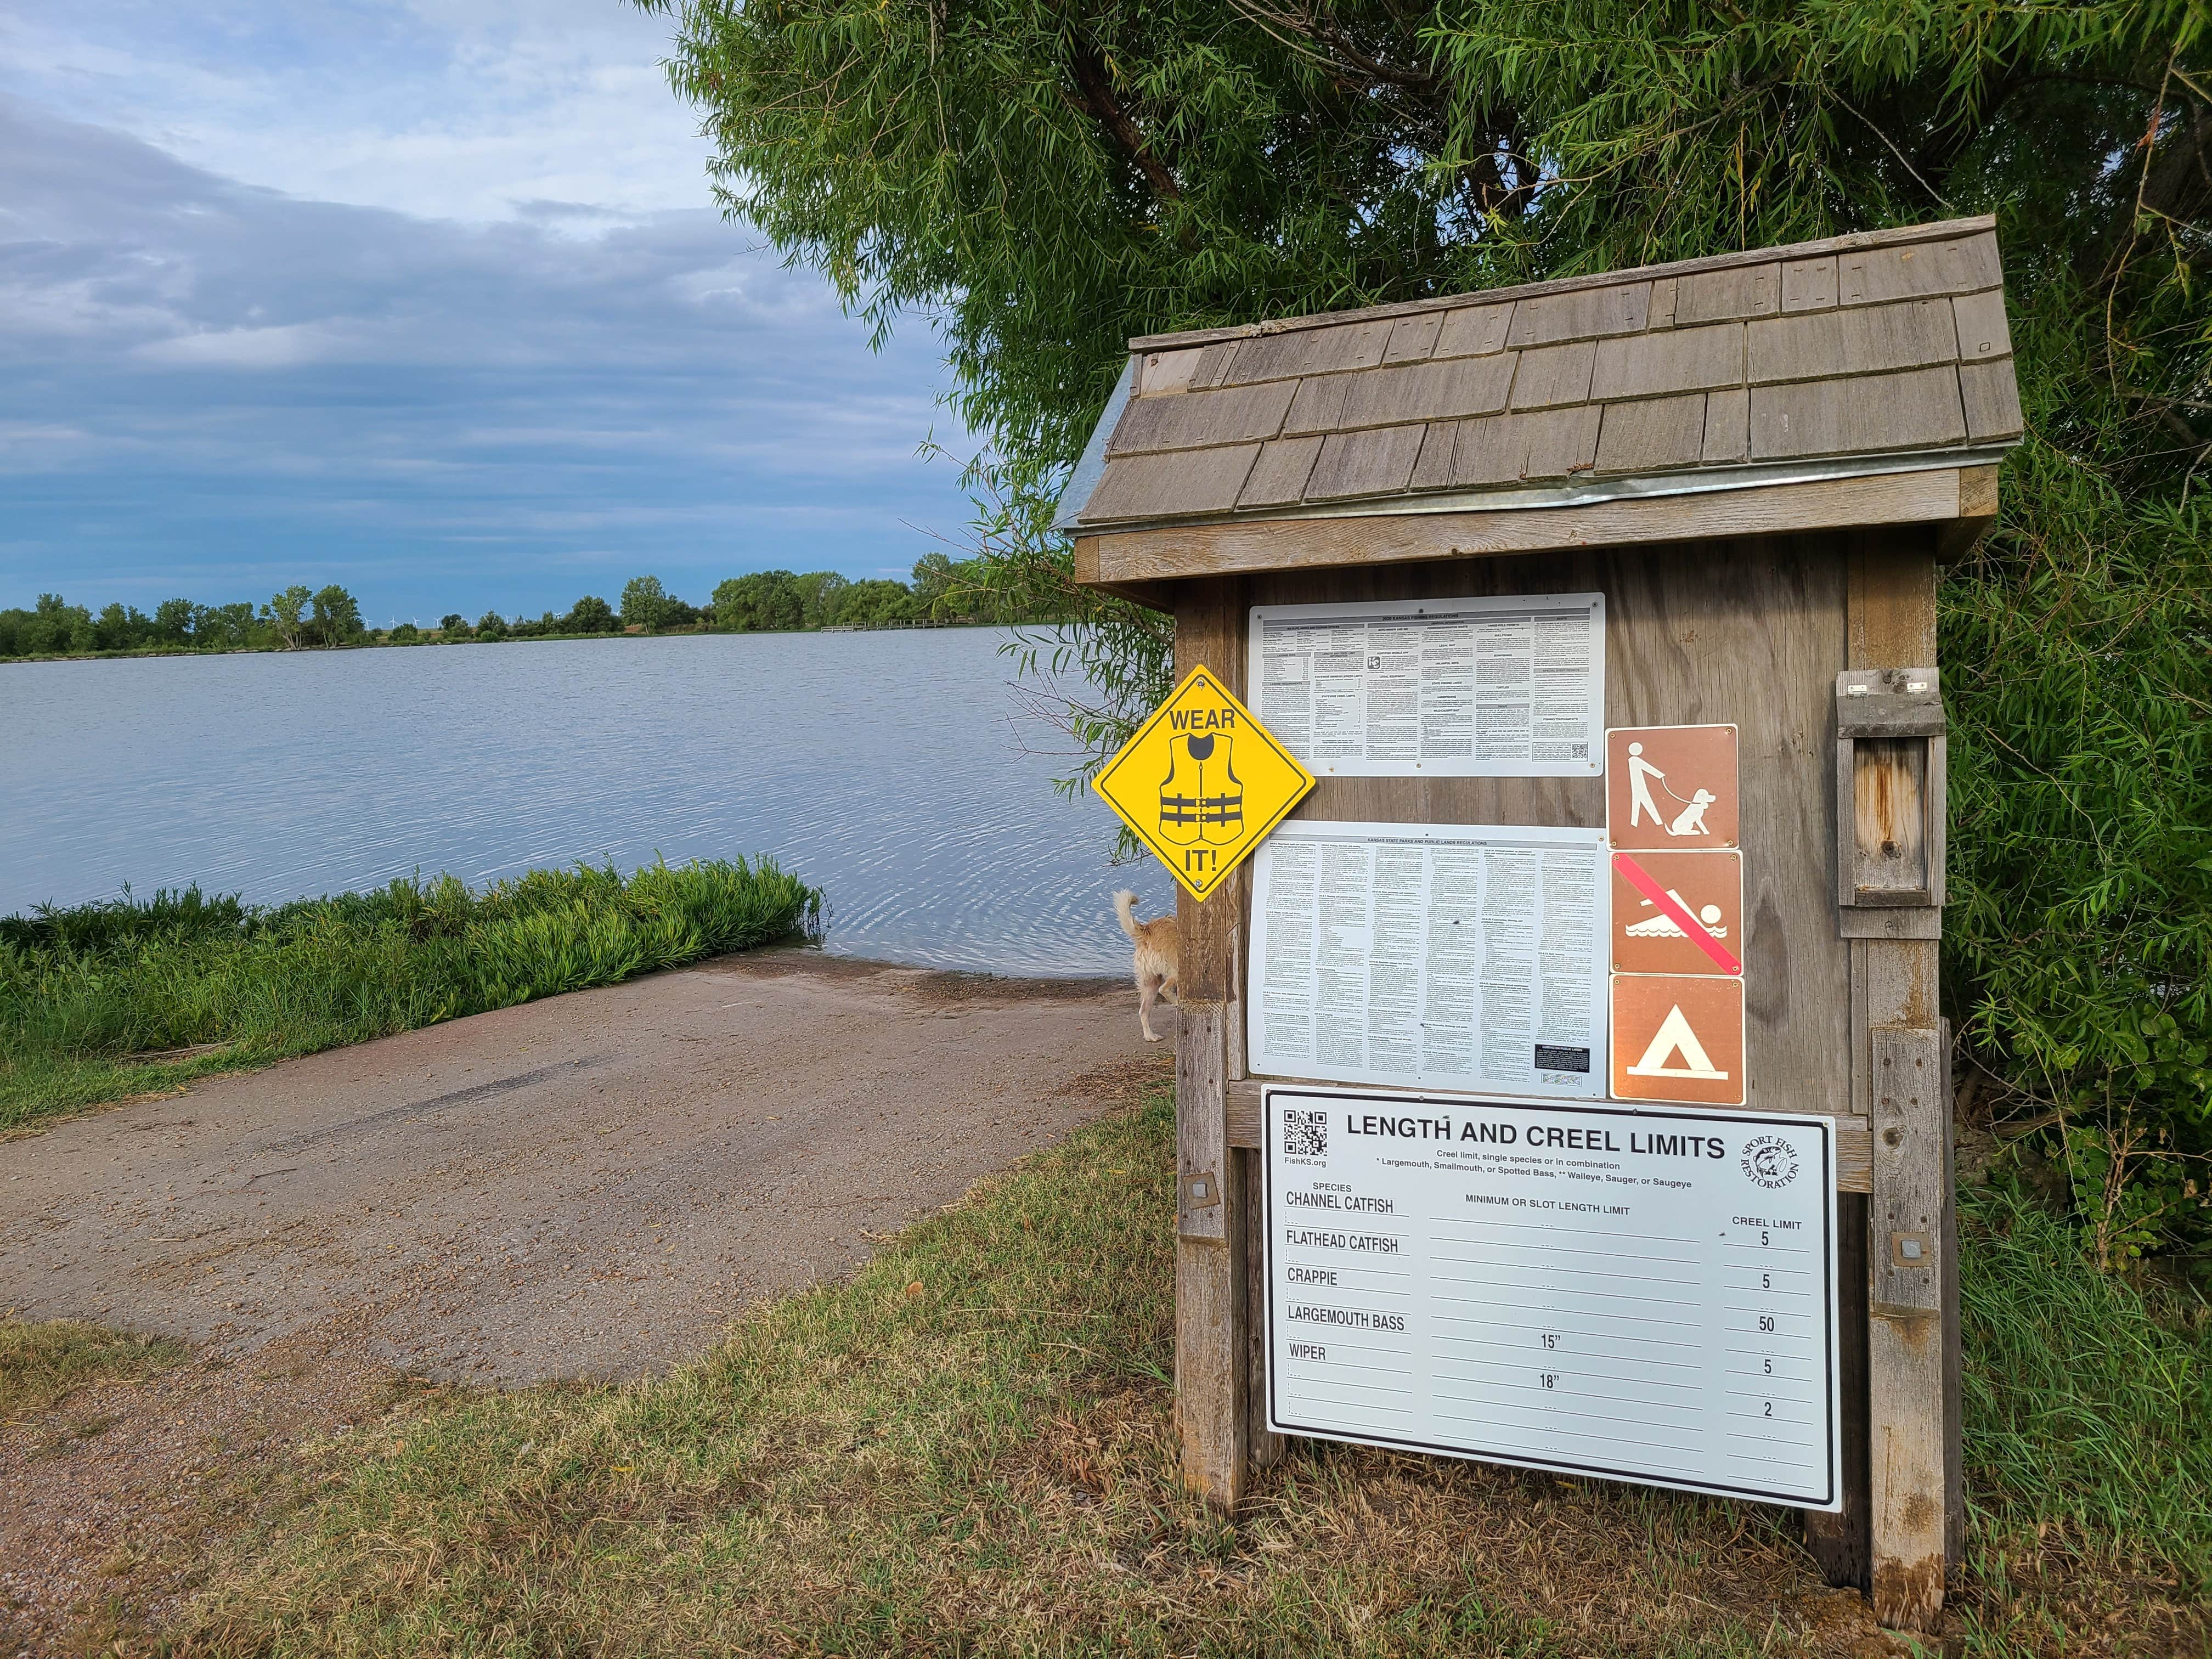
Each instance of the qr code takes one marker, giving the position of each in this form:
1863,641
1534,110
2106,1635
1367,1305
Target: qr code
1305,1134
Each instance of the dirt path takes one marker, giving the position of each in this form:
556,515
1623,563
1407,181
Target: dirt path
591,1186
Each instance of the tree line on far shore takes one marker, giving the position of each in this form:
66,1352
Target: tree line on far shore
943,590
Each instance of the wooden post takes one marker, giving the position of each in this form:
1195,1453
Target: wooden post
1841,1540
1899,1071
1213,1231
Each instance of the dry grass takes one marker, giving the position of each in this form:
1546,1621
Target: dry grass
42,1363
967,1449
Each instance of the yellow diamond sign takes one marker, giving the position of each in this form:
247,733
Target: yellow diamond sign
1202,782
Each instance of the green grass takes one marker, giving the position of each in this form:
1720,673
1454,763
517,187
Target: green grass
134,996
967,1448
43,1364
2088,1428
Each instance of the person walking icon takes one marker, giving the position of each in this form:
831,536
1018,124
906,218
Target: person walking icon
1640,773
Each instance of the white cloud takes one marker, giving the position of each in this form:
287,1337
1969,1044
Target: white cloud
206,375
446,111
283,347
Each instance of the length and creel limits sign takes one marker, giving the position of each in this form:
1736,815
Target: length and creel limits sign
1640,1293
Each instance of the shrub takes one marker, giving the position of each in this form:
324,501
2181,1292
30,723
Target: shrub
88,991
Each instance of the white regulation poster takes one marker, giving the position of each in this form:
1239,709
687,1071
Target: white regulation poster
1644,1293
1432,956
1468,688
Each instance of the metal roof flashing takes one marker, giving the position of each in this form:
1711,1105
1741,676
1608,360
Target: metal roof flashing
1092,464
1657,488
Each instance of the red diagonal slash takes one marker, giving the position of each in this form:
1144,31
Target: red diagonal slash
1688,923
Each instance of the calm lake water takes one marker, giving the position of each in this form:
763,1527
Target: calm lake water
893,769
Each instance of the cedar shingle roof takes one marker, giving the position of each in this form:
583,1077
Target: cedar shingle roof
1890,343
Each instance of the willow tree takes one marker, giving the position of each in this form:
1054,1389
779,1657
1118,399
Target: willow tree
1041,180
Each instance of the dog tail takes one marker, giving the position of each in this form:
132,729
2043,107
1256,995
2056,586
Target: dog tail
1122,903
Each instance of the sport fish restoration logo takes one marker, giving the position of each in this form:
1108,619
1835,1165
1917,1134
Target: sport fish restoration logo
1771,1161
1202,783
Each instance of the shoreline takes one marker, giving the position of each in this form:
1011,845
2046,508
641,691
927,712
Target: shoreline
377,644
128,997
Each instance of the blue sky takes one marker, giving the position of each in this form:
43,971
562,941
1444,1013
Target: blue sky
431,301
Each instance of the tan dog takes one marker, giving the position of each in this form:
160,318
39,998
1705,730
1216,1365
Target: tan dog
1154,963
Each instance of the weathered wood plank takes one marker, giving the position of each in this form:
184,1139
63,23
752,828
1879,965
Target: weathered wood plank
1212,1271
1715,296
1892,600
1977,509
1474,331
1377,461
1909,921
1908,1168
1441,390
1617,307
1984,333
1842,1541
1554,375
1328,349
1889,815
1434,470
1195,420
1155,595
1656,435
1917,409
1278,477
1174,553
1894,1015
1956,265
1870,340
1161,373
1150,486
1263,1448
1908,1466
1412,338
1809,284
1728,425
1550,443
1681,359
1955,1437
1211,1289
1319,404
1213,364
1991,394
1202,1123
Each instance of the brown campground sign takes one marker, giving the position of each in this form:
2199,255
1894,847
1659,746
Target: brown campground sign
1670,822
1202,783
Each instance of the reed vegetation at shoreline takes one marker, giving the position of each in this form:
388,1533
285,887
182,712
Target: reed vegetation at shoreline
131,996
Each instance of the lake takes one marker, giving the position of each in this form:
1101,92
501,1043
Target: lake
894,770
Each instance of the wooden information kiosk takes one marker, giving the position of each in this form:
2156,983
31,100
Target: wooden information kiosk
1603,612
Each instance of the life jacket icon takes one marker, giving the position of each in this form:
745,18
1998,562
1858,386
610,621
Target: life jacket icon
1201,799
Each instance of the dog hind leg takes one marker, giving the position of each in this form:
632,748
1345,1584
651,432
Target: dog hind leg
1147,988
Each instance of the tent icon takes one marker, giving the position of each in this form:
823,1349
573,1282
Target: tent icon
1674,1037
